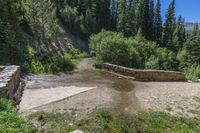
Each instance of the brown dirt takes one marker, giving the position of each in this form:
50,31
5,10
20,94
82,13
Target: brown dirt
116,93
176,98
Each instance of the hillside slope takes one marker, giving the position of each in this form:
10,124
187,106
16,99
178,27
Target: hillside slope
32,35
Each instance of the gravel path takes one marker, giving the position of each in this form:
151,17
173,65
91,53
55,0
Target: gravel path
176,98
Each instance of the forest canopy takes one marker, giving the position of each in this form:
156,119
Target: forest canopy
127,32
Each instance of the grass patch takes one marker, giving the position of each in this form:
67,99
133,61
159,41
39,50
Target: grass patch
105,122
53,123
10,122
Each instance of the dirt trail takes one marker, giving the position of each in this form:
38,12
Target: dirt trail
50,93
106,90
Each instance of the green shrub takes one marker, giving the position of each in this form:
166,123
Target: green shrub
37,67
193,73
152,63
190,53
110,48
167,59
135,59
145,48
51,63
135,52
10,122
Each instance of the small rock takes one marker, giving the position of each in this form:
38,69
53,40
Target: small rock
71,124
126,109
189,81
77,131
155,97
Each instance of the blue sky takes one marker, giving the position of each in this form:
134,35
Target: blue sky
189,9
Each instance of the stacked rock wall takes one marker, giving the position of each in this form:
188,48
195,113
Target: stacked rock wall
146,75
10,83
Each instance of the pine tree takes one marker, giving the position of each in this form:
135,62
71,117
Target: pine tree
195,31
179,35
121,26
80,7
157,35
151,20
191,51
103,14
145,19
114,15
169,26
89,23
10,18
140,14
131,22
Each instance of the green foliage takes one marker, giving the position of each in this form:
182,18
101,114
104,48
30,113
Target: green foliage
10,122
121,26
131,19
105,122
54,123
88,23
51,63
36,67
167,59
193,73
143,47
169,26
179,35
131,52
37,21
68,14
157,36
190,52
41,17
152,63
110,47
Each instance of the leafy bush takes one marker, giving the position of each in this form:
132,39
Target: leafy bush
152,63
135,59
110,47
167,59
36,67
57,63
145,48
135,52
51,63
193,73
10,122
190,53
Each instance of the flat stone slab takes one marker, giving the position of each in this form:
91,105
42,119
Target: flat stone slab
33,98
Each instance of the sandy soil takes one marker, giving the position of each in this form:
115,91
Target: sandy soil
115,93
176,98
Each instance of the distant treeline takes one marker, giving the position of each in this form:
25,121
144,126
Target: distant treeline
129,18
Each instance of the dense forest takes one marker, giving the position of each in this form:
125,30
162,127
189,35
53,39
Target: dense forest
125,32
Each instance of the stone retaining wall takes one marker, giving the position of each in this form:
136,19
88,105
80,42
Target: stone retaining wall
10,83
146,75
